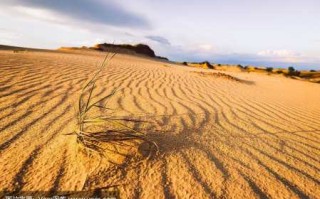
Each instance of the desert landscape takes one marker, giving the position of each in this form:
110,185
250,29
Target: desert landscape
219,133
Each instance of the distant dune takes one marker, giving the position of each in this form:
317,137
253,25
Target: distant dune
139,49
221,134
310,75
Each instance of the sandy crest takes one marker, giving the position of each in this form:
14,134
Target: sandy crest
218,138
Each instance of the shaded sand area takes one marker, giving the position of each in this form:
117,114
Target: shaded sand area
250,136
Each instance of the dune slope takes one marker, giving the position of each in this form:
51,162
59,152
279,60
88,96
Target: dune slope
218,137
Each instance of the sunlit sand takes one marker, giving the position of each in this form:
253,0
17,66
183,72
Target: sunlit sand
227,134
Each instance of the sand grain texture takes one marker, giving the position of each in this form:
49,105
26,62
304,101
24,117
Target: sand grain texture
218,138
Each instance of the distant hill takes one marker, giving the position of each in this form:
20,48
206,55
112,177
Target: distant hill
126,48
142,49
139,49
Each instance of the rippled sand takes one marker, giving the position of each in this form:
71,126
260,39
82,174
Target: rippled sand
218,137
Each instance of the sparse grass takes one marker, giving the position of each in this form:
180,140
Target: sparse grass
240,66
269,69
95,131
293,72
249,69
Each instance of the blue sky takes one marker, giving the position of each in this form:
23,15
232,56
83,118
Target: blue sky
269,32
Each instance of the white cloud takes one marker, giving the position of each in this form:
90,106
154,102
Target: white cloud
282,55
279,53
38,13
8,36
286,56
205,47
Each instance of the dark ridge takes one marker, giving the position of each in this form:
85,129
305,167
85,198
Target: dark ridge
128,49
163,58
138,49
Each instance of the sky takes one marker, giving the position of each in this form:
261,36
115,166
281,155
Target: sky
276,33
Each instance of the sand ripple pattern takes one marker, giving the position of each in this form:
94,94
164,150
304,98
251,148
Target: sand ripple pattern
218,138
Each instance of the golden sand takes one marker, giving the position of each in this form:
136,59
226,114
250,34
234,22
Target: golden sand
218,138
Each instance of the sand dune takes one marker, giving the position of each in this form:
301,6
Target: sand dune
218,138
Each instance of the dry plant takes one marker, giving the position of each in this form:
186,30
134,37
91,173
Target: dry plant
115,132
